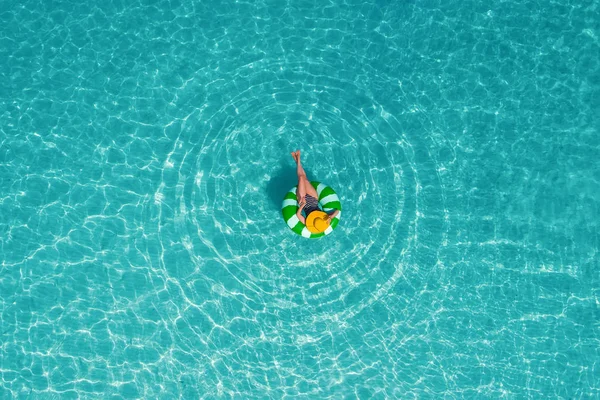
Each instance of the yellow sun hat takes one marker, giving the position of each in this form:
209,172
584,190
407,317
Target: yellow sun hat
317,221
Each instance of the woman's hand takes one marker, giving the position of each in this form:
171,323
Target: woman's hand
332,215
301,204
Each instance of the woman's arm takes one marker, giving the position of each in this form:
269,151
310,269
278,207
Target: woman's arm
301,205
300,217
334,214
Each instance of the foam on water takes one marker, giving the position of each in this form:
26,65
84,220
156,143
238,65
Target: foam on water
144,154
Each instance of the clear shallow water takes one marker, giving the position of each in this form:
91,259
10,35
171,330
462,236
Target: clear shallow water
144,152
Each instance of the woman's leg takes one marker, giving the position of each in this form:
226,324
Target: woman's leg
304,186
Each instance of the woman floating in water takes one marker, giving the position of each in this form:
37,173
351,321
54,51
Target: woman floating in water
308,200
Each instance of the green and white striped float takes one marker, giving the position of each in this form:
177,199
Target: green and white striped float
328,200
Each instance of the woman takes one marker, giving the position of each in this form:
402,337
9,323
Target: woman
308,200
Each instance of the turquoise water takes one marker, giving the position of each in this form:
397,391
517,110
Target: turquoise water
144,153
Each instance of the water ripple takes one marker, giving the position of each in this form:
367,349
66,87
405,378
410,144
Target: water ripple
219,180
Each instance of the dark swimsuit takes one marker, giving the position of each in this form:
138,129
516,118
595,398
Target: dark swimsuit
312,204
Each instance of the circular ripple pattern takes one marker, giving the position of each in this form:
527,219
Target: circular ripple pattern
144,150
230,166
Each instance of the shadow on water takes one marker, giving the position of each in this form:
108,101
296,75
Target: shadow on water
282,180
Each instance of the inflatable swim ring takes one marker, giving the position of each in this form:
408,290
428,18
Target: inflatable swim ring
328,200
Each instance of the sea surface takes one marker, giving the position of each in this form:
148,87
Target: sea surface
145,151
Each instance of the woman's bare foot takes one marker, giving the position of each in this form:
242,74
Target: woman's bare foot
296,155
